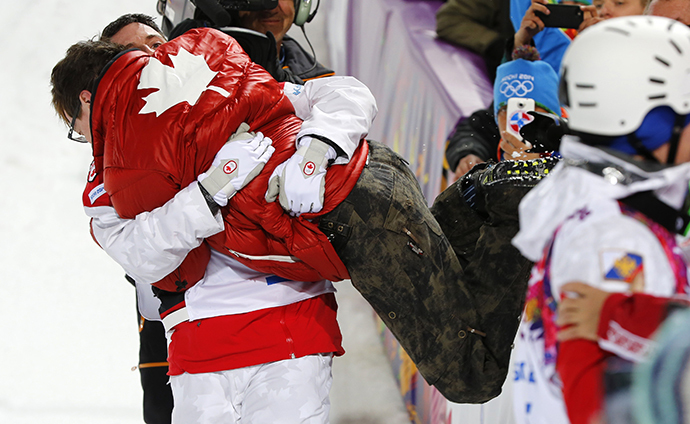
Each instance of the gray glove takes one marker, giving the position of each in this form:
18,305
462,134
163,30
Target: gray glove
299,182
237,163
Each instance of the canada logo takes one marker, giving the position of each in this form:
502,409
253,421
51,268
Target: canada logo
309,168
92,172
519,120
230,167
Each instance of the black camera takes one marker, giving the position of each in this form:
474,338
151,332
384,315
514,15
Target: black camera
217,12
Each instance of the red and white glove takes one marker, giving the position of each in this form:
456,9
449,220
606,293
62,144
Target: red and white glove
299,182
237,163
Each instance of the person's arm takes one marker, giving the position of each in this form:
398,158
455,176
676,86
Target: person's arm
155,243
531,24
338,109
469,23
337,114
474,140
620,323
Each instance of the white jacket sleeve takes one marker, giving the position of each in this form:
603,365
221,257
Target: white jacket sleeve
341,109
155,243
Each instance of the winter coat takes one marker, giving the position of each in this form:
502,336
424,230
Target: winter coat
154,137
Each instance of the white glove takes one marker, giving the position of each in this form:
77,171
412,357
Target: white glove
237,163
299,182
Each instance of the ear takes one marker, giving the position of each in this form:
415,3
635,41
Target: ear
85,97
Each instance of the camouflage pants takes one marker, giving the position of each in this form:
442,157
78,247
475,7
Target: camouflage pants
406,262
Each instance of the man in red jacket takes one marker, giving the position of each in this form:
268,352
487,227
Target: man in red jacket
374,217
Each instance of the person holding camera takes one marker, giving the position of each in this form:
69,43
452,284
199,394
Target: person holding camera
260,26
291,55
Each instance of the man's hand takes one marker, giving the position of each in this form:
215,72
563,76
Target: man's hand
531,24
579,311
515,149
237,163
299,182
466,164
590,17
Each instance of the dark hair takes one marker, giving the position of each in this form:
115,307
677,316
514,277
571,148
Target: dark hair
79,71
115,26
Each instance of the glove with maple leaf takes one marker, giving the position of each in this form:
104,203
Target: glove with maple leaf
299,182
237,163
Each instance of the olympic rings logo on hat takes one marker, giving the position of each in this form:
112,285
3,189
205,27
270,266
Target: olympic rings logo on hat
516,88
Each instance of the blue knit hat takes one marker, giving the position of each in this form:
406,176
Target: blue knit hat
534,80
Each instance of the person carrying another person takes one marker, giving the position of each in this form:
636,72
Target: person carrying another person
141,31
608,215
373,216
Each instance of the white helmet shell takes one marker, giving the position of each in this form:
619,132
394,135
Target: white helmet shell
618,70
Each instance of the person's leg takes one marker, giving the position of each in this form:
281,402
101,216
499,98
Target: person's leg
401,262
153,369
208,398
293,391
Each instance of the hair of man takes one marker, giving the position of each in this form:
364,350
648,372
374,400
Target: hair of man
115,26
78,71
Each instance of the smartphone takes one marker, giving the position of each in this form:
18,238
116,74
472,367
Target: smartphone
562,16
517,116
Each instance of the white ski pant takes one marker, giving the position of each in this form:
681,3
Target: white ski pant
293,391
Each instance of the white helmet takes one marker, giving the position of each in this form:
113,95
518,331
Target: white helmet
618,70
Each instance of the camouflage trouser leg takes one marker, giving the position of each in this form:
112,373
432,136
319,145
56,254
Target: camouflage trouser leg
401,262
495,272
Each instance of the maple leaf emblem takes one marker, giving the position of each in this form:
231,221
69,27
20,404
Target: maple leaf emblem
309,168
184,82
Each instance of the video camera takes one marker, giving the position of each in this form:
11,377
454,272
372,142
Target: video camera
217,12
179,16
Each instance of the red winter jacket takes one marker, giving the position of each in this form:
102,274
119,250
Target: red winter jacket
158,121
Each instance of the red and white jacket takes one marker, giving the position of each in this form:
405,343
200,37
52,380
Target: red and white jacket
158,121
152,244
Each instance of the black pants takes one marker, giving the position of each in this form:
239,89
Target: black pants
153,368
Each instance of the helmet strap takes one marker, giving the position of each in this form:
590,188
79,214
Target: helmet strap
675,139
641,149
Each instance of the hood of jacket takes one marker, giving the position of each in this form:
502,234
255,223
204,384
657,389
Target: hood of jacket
589,174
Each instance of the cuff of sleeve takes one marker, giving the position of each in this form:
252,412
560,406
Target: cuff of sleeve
198,198
607,310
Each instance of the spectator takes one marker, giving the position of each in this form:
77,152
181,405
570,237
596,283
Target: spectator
602,218
278,21
678,10
613,9
481,26
527,80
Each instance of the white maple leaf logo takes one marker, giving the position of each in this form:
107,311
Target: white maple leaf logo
183,83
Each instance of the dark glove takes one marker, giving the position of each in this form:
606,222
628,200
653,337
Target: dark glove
544,132
515,173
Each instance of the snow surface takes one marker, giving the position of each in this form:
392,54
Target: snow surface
68,323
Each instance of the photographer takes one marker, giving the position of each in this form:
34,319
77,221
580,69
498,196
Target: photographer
260,26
